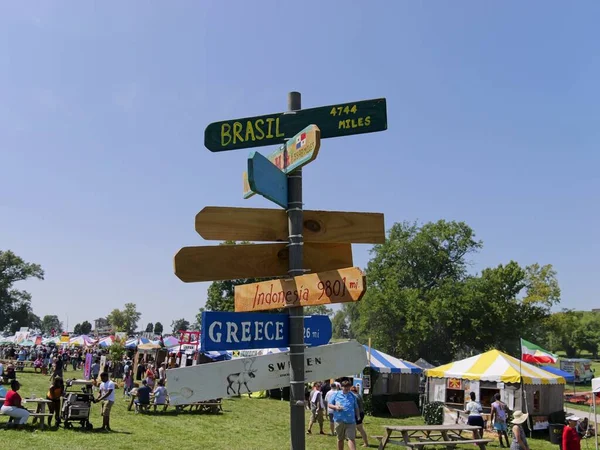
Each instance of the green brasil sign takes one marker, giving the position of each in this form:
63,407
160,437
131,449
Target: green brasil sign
345,119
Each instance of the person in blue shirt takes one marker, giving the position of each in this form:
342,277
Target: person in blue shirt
345,413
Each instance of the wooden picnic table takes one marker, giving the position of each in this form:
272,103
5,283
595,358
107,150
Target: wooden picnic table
40,410
419,436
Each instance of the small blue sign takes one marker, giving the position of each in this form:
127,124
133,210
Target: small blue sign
266,179
243,331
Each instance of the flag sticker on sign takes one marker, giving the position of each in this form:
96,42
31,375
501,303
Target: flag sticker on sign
301,141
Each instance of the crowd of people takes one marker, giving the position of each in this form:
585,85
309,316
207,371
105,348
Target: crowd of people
342,403
55,361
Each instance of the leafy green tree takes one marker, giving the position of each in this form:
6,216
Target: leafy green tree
422,302
321,310
86,327
116,319
125,320
542,285
158,328
562,331
77,329
150,328
15,305
197,325
587,335
339,325
34,322
116,351
51,322
180,324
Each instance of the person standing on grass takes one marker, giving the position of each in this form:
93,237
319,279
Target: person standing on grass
498,419
162,372
334,389
55,392
474,409
359,422
519,441
95,370
316,408
57,368
107,397
345,413
13,407
127,378
570,438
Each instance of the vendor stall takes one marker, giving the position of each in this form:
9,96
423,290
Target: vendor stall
520,385
388,379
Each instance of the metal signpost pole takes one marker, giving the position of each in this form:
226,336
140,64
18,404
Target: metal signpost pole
295,226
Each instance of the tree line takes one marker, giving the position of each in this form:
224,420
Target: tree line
423,300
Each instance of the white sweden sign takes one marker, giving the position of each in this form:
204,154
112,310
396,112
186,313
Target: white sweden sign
259,373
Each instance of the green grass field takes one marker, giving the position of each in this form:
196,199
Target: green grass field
244,424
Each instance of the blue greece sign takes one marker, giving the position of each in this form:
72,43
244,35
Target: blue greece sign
242,331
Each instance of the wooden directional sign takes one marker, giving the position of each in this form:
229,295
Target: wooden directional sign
258,373
267,180
228,262
260,224
242,331
247,193
335,286
298,151
344,119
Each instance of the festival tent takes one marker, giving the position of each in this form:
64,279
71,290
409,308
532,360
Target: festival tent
82,340
51,340
217,355
7,340
106,342
27,343
170,341
384,363
134,342
569,377
392,376
424,364
520,385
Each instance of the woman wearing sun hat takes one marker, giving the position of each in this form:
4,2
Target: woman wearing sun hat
519,441
570,437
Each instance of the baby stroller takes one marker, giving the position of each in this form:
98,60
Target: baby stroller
77,403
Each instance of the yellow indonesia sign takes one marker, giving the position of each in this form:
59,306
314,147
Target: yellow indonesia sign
335,286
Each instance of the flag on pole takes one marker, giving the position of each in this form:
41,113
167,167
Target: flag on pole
535,354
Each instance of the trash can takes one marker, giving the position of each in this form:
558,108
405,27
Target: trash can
556,431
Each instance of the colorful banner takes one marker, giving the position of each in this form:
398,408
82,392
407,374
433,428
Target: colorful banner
454,383
87,369
102,363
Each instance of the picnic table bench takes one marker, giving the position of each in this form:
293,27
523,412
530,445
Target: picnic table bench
420,436
211,406
40,414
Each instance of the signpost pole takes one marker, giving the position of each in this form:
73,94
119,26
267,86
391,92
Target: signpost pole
295,226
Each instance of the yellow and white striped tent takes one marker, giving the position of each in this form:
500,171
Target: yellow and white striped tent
495,366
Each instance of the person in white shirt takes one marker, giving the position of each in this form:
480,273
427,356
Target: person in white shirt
316,408
334,388
474,409
162,372
160,395
107,397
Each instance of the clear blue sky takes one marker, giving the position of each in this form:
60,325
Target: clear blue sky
493,116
